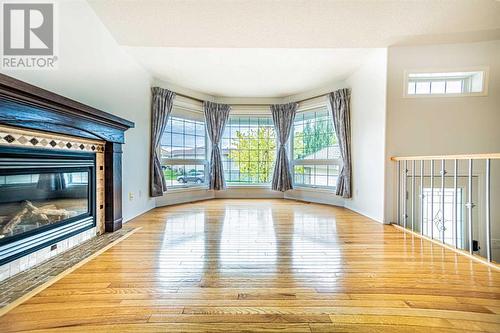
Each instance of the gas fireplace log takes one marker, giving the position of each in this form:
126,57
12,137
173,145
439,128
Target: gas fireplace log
51,211
36,215
49,206
9,226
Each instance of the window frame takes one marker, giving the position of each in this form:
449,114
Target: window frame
249,112
297,162
407,73
181,109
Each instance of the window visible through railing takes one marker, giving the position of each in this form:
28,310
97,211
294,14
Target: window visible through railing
452,199
442,218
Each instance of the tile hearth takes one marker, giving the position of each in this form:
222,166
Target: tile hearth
26,282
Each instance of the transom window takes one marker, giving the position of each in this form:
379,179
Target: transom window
248,150
315,152
449,83
184,149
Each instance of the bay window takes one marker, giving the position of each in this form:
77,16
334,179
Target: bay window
315,152
248,149
184,149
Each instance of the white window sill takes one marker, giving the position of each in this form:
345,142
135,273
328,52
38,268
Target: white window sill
262,186
185,189
478,94
205,188
315,189
249,186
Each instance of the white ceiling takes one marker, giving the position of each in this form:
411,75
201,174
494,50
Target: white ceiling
263,48
249,72
292,24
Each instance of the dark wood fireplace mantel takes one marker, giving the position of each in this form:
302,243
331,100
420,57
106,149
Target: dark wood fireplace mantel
27,106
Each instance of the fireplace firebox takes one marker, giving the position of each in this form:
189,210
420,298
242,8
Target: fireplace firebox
45,196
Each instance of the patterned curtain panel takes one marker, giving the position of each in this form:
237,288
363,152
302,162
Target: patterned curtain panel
283,116
339,102
161,106
216,116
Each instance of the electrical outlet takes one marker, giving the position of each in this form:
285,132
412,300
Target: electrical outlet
130,196
495,243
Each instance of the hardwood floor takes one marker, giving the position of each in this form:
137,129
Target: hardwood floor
267,265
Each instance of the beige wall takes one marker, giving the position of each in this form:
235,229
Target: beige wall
443,125
440,125
368,109
95,71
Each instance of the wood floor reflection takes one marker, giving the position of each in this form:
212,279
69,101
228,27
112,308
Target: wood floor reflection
267,265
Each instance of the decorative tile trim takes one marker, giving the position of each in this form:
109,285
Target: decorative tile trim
35,139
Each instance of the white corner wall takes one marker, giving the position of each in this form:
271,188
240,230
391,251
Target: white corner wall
440,125
368,109
94,70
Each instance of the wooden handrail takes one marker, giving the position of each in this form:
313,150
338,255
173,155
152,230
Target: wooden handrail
448,157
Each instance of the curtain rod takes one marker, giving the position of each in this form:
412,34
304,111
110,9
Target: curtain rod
247,104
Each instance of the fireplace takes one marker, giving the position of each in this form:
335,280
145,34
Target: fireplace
60,174
45,196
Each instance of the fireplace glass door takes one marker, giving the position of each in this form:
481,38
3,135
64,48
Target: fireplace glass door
32,200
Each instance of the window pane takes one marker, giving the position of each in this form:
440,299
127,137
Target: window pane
433,216
453,87
189,141
177,125
189,127
314,137
184,175
248,150
200,128
177,139
411,88
438,87
423,87
183,139
316,175
333,174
